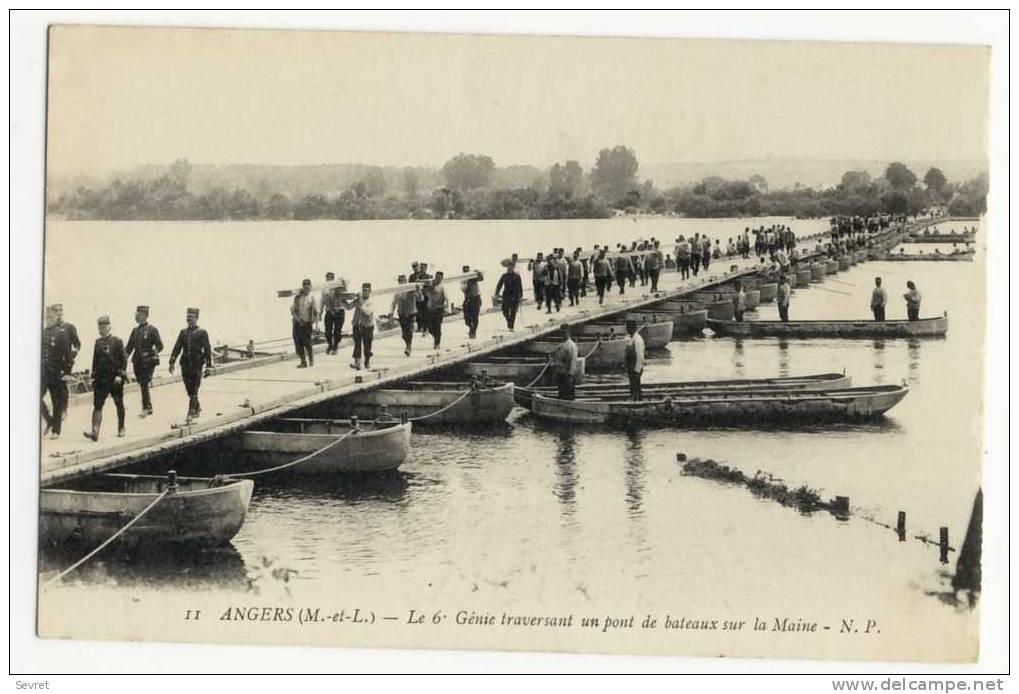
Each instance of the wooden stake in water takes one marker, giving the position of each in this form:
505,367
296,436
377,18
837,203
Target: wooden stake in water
943,544
900,526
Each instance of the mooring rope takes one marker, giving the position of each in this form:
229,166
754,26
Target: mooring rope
302,459
442,409
113,537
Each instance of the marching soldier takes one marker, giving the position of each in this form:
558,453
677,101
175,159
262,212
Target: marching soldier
195,354
57,360
143,347
109,372
472,302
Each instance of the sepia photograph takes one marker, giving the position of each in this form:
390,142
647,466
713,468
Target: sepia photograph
632,345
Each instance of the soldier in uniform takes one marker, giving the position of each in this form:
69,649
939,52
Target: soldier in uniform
143,347
57,360
195,354
109,372
472,302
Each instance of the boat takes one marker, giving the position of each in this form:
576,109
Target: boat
961,256
925,327
940,238
686,322
377,446
817,272
519,370
617,390
424,402
803,276
599,354
755,410
198,511
831,267
844,262
656,334
768,290
727,294
720,309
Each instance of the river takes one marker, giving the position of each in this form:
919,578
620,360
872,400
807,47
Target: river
531,516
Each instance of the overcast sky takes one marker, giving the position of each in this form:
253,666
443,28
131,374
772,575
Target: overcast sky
119,97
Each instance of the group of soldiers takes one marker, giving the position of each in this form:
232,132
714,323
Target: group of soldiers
60,347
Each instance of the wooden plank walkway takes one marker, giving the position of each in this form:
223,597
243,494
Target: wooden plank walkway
241,394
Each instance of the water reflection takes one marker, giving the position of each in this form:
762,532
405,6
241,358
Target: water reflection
783,357
566,472
737,358
913,352
634,472
879,361
389,487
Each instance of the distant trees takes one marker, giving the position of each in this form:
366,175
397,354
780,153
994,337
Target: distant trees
935,180
899,176
614,173
851,180
566,179
468,171
411,183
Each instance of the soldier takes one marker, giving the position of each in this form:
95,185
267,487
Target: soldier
472,302
363,326
109,372
405,308
195,354
143,347
333,314
303,315
57,361
72,332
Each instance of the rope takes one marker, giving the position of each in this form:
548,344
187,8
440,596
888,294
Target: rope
442,409
540,374
101,547
302,459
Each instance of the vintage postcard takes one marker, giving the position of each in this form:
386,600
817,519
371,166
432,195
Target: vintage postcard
534,343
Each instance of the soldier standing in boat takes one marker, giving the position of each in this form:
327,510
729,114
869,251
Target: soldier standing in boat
57,362
512,292
878,300
782,297
109,372
143,348
195,353
912,297
405,308
472,302
564,364
739,302
303,314
333,314
363,326
634,360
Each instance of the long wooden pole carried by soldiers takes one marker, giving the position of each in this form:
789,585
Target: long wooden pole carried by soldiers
382,291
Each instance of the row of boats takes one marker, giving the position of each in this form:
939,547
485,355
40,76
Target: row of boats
370,432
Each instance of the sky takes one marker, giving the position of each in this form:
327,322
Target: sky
120,97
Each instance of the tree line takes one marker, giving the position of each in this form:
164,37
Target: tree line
471,186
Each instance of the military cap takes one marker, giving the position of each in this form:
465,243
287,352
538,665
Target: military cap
305,282
366,285
193,312
330,275
56,307
465,268
104,320
142,309
401,279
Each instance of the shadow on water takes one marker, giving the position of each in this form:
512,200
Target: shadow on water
167,566
391,487
881,424
566,471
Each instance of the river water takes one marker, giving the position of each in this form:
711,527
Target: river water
533,516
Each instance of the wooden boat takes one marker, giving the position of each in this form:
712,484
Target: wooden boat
599,354
201,512
940,238
753,296
802,276
726,409
817,272
656,334
768,290
377,446
831,267
519,370
617,390
925,327
469,402
720,309
844,262
687,322
963,256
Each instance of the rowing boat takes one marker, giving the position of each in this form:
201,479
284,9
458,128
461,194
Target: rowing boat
599,354
199,511
656,334
754,410
519,370
803,276
925,327
720,309
964,256
432,403
939,238
619,390
753,296
817,272
831,267
376,445
686,322
768,290
844,262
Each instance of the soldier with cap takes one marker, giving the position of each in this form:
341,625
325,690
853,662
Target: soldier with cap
363,326
333,314
72,332
57,361
422,275
405,308
143,347
109,372
472,302
634,360
510,290
195,354
564,362
435,302
303,314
